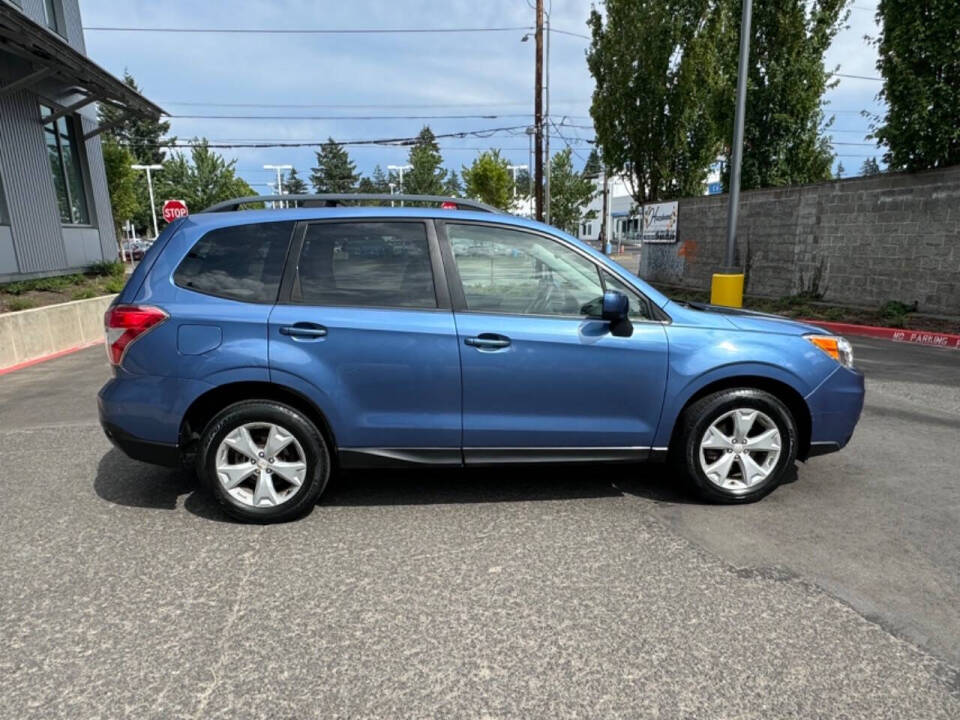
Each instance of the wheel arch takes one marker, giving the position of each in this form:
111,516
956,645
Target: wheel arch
206,406
784,392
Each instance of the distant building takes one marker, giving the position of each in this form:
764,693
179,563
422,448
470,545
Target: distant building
55,215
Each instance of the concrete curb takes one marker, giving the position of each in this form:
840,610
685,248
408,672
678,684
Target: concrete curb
916,337
31,336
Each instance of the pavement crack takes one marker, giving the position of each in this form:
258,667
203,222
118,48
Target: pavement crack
249,559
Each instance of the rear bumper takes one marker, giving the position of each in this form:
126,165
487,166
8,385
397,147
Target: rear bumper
142,450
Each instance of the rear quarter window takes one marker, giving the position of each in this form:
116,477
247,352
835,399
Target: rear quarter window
242,262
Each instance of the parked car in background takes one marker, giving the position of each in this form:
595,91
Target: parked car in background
132,250
267,348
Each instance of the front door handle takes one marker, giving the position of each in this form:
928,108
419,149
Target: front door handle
488,341
304,331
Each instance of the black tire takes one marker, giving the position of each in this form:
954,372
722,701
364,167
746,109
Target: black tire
307,435
699,416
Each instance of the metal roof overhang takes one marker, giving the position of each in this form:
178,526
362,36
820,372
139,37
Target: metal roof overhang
51,58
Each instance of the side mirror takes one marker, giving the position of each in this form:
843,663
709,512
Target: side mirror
616,310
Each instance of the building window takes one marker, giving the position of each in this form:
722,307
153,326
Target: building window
51,15
4,218
64,154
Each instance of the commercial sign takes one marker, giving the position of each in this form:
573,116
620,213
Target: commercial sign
660,222
174,209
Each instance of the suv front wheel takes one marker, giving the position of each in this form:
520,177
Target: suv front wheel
737,444
263,461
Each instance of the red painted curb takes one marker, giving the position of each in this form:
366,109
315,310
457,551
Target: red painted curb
51,356
917,337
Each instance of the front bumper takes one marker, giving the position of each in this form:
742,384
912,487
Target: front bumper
835,407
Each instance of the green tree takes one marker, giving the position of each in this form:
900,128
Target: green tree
656,68
919,49
870,167
523,185
201,180
144,137
452,187
840,171
783,142
121,182
570,192
427,175
593,166
335,172
293,184
488,179
377,182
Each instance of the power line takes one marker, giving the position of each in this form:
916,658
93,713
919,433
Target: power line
350,117
858,77
193,103
307,31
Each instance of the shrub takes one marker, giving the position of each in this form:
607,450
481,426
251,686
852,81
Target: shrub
15,288
56,284
84,293
115,284
107,268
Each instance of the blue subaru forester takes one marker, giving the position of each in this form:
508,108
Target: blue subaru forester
270,347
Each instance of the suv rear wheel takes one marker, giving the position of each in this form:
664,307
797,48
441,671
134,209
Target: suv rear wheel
737,445
263,461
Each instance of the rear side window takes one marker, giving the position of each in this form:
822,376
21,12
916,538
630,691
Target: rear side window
243,262
365,264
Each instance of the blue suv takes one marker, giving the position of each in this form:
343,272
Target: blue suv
270,347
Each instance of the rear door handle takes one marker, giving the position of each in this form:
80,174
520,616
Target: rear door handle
304,331
488,341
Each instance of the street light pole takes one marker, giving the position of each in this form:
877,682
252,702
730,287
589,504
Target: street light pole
278,168
400,169
727,286
513,169
153,206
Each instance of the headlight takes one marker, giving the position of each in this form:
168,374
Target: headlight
835,346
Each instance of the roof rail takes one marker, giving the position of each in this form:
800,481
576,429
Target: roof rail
335,200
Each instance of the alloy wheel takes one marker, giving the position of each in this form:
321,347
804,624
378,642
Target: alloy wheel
261,464
740,449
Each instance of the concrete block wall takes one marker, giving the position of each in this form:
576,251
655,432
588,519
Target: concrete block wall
38,332
861,241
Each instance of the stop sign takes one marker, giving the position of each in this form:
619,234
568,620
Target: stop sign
173,209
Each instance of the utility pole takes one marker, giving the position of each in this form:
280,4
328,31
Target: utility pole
546,120
278,168
727,286
606,213
538,116
153,206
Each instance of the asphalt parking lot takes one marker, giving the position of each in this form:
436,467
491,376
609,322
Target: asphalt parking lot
594,591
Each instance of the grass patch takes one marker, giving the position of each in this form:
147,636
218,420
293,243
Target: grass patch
19,304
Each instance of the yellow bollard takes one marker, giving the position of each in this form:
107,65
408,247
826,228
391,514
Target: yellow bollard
727,290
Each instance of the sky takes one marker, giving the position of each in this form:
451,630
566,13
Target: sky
293,76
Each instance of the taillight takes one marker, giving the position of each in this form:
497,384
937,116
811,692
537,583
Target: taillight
125,323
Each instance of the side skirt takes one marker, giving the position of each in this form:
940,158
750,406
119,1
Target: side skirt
355,458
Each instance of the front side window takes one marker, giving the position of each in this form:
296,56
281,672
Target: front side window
365,264
639,305
243,262
63,153
510,271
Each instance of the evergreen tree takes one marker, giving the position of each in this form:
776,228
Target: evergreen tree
593,167
523,184
143,137
919,49
427,175
452,187
840,171
293,184
335,172
870,167
201,180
